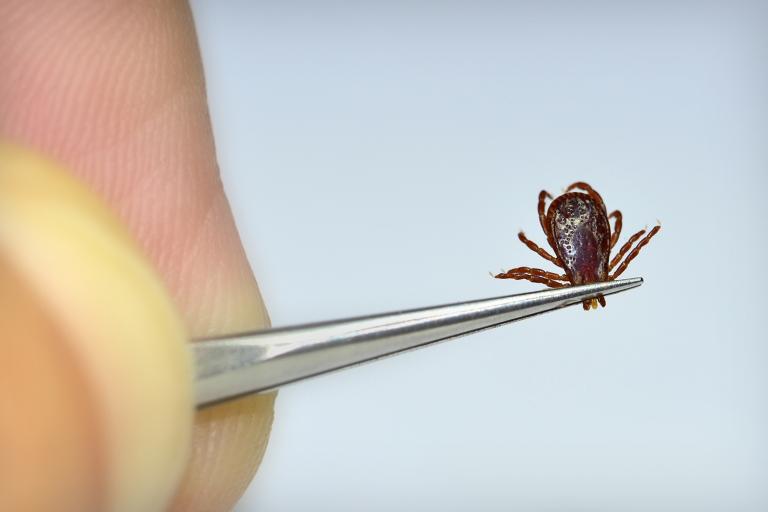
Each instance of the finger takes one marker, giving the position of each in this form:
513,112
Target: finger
115,91
91,342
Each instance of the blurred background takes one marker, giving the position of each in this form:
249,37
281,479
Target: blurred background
384,155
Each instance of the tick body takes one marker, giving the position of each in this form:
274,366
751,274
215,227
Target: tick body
578,229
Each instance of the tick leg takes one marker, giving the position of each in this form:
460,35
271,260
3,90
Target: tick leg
616,227
533,279
589,190
635,252
535,275
543,196
625,249
534,271
538,250
601,299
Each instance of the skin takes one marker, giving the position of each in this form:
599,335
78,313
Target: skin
91,341
115,92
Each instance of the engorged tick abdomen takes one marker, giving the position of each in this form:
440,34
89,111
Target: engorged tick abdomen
582,237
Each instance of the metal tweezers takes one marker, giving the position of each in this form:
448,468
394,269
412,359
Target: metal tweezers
259,361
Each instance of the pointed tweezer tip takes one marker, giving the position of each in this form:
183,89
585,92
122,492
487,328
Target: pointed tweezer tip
575,294
621,284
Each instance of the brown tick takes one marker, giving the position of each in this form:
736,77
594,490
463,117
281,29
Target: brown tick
578,230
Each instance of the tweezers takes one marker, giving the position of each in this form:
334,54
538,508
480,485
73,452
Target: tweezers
259,361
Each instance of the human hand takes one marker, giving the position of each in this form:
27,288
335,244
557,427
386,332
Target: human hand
115,92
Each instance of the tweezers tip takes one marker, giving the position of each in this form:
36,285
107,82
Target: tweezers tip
632,281
606,287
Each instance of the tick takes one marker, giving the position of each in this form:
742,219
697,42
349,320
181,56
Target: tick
578,230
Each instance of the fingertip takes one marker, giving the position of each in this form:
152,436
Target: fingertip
102,382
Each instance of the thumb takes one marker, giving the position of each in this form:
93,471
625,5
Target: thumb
115,92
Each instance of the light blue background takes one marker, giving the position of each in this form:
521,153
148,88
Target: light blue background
383,155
